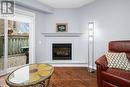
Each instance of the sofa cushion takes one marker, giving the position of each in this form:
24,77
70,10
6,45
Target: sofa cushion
120,46
116,77
118,60
107,84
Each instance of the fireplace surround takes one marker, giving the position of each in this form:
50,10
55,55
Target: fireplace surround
61,51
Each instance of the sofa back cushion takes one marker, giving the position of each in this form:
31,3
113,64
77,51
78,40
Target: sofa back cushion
120,46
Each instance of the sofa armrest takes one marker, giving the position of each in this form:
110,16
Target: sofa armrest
102,62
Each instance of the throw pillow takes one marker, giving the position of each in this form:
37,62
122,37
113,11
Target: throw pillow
118,60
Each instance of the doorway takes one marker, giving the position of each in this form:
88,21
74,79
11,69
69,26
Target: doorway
17,40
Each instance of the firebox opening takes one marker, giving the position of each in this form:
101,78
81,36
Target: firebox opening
62,51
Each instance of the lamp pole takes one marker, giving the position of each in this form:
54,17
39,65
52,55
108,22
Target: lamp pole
91,46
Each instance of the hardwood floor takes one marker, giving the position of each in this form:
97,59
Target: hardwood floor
68,77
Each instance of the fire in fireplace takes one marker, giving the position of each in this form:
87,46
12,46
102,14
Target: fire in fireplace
61,51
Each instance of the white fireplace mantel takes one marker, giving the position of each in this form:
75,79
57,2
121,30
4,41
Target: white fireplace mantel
64,37
62,34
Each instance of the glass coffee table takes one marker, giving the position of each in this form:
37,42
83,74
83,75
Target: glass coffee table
30,76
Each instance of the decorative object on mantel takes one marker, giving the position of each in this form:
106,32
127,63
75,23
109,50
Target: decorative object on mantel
62,34
61,27
91,46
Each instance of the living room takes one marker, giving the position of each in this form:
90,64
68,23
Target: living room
62,27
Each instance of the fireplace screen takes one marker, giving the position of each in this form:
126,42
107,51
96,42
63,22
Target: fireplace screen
61,51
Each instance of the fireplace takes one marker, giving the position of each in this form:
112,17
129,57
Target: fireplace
61,51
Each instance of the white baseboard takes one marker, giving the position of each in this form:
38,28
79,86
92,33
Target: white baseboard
68,64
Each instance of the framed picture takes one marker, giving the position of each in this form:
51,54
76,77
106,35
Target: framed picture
61,27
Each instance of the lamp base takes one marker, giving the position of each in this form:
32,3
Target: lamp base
91,70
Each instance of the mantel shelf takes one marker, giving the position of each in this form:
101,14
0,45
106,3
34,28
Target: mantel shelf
62,34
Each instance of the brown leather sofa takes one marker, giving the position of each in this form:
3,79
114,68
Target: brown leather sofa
111,77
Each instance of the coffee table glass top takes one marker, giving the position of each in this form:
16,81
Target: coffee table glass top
30,74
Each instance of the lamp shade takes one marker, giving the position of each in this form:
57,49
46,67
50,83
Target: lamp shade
91,25
91,32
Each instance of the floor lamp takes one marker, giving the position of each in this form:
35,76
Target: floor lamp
91,46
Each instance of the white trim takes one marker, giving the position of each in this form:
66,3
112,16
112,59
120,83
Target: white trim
62,34
32,42
68,64
64,62
24,12
5,45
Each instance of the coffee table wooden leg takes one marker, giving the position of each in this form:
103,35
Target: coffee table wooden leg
43,84
47,82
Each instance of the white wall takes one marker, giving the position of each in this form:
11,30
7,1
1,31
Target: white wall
112,19
112,23
70,16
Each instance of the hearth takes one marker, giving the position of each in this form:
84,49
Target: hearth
61,51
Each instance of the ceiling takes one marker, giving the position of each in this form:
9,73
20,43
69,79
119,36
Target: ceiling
65,3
